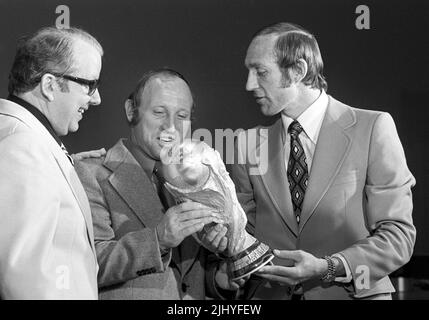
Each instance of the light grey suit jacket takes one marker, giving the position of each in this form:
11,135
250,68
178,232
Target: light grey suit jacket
46,238
126,210
358,202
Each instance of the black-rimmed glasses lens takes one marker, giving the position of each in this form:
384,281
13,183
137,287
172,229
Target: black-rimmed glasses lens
91,84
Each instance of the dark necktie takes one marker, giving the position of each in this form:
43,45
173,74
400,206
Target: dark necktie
297,171
63,147
159,181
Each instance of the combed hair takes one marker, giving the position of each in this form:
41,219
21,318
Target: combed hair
294,43
136,95
49,50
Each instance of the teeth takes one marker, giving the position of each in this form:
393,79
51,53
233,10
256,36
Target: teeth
81,110
166,139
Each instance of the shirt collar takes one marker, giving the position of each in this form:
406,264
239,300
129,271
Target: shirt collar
311,119
38,114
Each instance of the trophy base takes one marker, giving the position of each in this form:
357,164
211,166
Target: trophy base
248,261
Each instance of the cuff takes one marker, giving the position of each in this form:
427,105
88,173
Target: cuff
165,254
348,276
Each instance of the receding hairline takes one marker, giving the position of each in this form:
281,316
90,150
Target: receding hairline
73,34
278,34
160,79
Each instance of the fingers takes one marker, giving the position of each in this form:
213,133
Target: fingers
223,244
216,234
191,205
289,272
294,255
220,241
187,218
191,229
234,286
279,279
89,154
98,153
77,156
197,214
193,225
215,239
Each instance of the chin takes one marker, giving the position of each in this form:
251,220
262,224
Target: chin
266,111
74,126
68,130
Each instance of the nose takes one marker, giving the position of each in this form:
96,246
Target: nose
95,98
252,82
169,124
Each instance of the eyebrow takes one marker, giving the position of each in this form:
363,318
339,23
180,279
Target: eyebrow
253,65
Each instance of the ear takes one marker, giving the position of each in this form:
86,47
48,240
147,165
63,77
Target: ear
129,109
47,86
300,70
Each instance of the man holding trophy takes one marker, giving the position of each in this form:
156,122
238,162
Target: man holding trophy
195,172
142,236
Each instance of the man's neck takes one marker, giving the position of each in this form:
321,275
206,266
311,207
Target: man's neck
36,102
307,96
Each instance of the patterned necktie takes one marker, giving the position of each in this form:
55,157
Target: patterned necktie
297,171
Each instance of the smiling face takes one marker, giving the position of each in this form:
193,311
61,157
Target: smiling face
68,107
265,78
164,111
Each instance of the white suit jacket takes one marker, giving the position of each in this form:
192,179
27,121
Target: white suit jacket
46,238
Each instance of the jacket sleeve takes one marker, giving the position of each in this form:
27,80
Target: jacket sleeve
121,259
388,207
243,184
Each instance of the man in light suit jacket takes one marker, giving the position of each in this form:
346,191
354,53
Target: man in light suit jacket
335,196
143,240
46,235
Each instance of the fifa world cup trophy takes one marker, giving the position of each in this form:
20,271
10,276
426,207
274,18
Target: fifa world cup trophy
194,171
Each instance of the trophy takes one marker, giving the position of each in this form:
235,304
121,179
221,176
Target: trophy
194,171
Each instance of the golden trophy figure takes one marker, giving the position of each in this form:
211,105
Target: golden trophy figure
194,171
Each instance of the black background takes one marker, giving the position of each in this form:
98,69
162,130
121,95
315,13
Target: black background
385,68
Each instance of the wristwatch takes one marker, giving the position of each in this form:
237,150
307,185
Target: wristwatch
330,275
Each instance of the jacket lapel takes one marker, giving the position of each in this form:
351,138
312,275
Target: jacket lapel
136,189
80,195
62,160
275,179
133,185
332,147
188,251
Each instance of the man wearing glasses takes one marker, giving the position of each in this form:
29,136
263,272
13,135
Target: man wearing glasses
46,237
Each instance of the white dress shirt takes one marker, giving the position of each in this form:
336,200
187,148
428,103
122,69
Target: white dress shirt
311,121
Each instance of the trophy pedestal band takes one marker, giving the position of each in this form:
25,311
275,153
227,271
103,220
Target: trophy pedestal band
249,260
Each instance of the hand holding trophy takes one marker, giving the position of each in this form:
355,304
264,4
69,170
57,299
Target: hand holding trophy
194,171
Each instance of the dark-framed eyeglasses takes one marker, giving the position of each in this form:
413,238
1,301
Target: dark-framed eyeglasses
91,84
